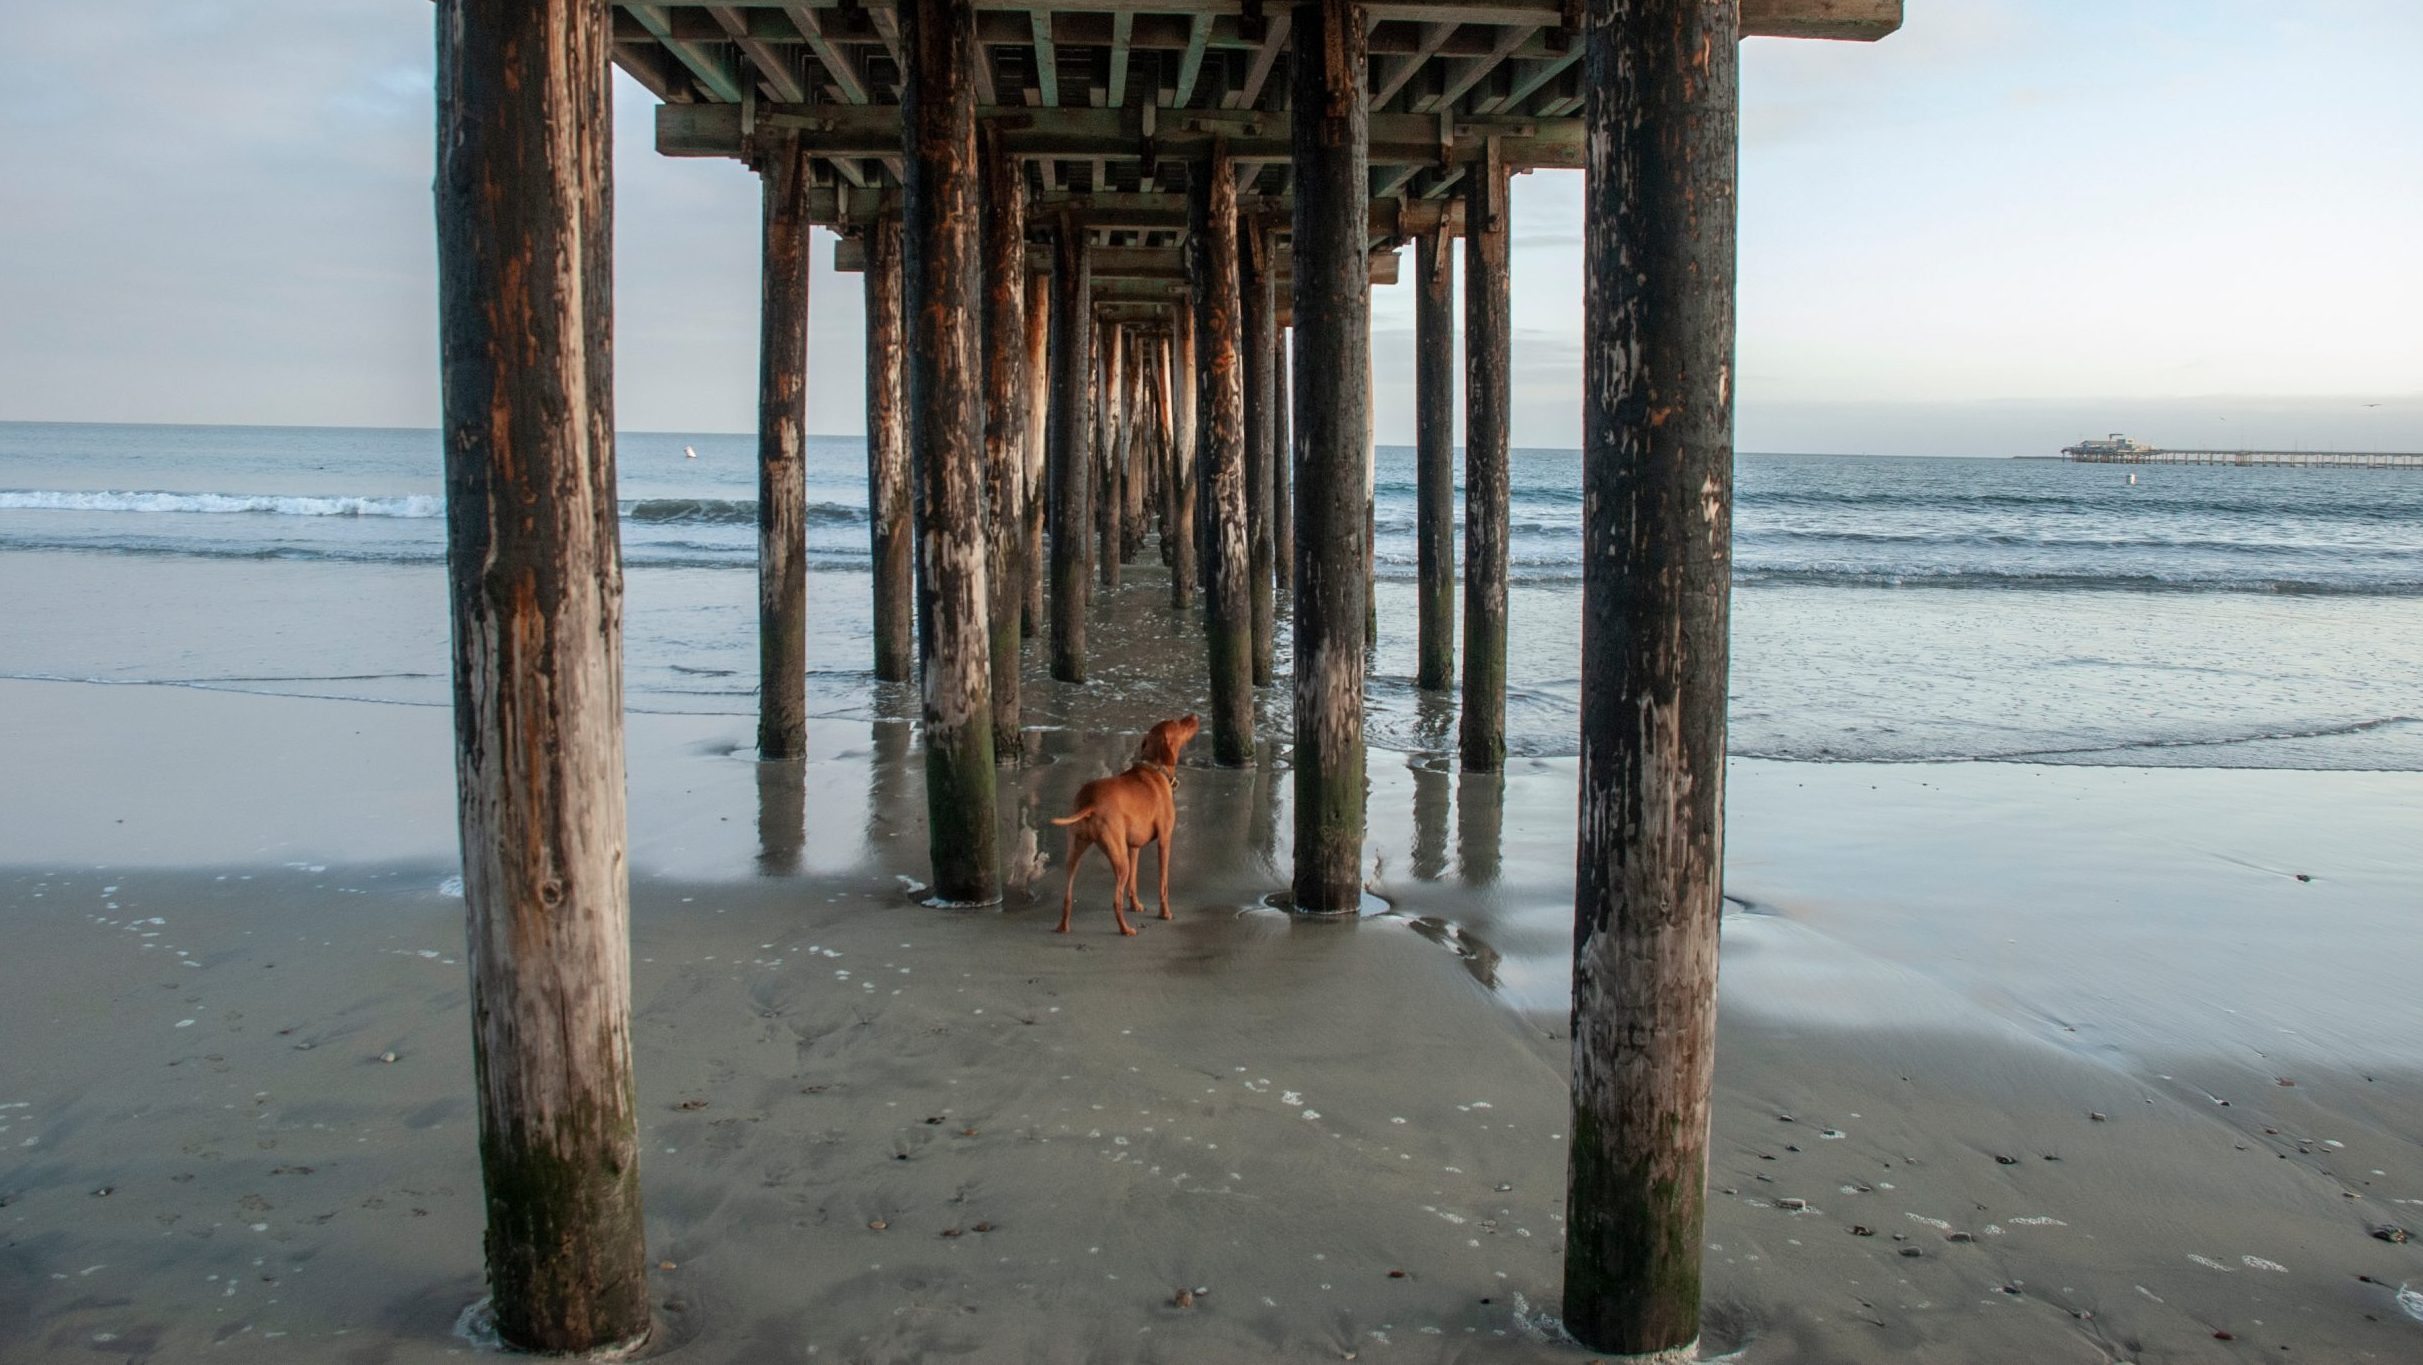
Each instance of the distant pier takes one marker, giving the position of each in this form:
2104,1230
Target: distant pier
2096,453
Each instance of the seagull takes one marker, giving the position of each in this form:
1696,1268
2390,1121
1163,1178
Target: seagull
691,451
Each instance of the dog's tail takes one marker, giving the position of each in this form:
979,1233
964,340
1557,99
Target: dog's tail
1073,819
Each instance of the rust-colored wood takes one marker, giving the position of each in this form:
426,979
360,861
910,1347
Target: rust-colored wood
1039,403
1005,442
1434,459
1111,509
1072,450
1488,338
1136,466
534,568
1228,602
891,534
782,477
1657,476
1259,296
1330,122
1183,448
941,216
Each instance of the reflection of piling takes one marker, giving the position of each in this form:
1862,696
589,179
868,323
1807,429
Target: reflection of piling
782,476
1005,421
782,816
1434,457
944,208
1330,122
891,539
1260,299
1212,201
1071,455
526,279
1480,826
1430,802
1487,336
1662,82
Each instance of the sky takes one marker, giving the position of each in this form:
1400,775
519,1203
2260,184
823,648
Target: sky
2011,225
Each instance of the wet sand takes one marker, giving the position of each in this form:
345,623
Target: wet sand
226,912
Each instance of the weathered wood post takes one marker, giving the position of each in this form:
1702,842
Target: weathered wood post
1136,468
1183,388
1434,458
1282,511
1005,394
1258,283
890,533
1228,604
1331,123
1488,335
1112,512
782,476
942,211
1072,452
1657,476
534,561
1038,403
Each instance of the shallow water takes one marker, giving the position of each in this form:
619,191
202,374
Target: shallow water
1885,609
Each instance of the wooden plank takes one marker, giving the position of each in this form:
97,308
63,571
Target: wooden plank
1005,440
525,179
941,226
1472,72
1047,58
1657,476
1123,28
1257,73
1219,346
772,66
837,64
1071,451
1330,126
1488,395
1528,83
891,535
782,479
709,69
1434,459
1190,66
1141,263
1400,69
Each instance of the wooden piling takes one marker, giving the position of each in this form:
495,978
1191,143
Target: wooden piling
1180,526
782,476
1033,492
940,229
1330,122
1005,395
525,290
890,532
1657,433
1071,457
1258,284
1136,468
1228,601
1111,510
1282,511
1488,336
1434,458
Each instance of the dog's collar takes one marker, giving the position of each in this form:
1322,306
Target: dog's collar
1166,771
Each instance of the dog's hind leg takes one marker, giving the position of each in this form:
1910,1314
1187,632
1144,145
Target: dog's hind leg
1077,843
1123,865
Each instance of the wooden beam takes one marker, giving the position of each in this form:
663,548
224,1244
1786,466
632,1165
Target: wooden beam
710,72
782,488
891,534
1219,344
1434,459
524,190
1123,27
772,66
1249,94
1475,70
1400,69
1488,341
1005,273
1047,58
1072,450
837,64
1108,263
1530,81
1190,66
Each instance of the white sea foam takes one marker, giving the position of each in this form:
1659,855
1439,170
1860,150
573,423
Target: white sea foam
416,506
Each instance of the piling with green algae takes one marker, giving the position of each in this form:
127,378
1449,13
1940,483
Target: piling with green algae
941,218
1259,295
1228,603
1070,463
782,478
891,533
1488,338
525,289
1005,439
1658,253
1434,458
1330,120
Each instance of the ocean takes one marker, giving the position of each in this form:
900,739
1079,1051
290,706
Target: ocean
1886,609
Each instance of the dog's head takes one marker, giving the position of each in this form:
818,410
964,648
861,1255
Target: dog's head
1163,741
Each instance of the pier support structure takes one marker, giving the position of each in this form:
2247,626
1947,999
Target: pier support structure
1110,488
1282,507
1258,283
1488,338
891,535
782,476
1179,527
1071,457
941,219
1033,491
1330,120
1219,341
1657,461
533,550
1005,419
1434,458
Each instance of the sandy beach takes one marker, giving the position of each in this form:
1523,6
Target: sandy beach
2016,1063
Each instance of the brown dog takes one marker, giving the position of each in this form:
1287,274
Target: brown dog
1124,813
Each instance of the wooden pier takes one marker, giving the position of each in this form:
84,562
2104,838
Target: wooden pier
1088,232
2251,459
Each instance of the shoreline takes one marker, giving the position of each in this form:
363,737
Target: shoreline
1942,964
